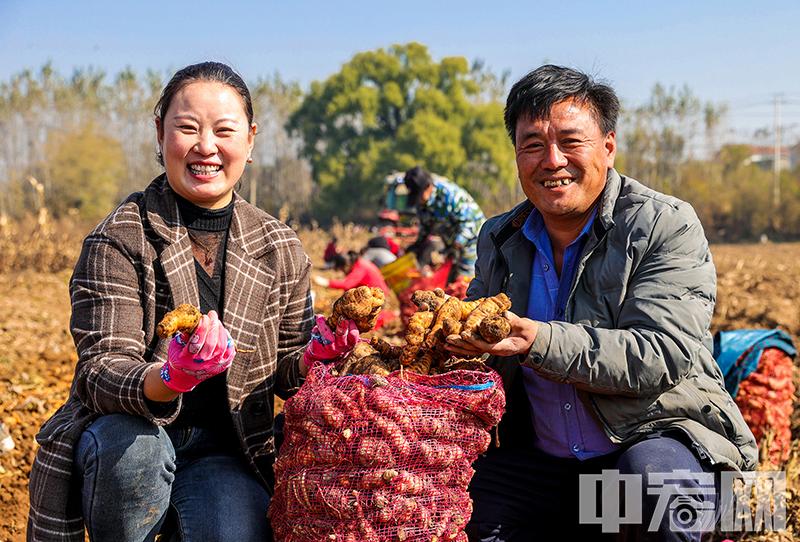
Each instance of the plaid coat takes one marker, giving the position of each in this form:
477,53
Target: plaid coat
134,267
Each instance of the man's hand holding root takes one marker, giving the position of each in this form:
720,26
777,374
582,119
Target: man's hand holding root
518,342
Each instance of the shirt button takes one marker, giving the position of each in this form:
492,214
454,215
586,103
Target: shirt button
546,267
567,406
576,448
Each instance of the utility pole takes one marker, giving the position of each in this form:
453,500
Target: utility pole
776,156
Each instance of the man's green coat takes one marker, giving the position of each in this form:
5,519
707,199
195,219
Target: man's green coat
636,341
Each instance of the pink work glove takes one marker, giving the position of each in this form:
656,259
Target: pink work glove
327,346
190,360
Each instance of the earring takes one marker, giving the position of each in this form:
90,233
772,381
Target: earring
249,159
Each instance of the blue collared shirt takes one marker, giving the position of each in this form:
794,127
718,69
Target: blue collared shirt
564,426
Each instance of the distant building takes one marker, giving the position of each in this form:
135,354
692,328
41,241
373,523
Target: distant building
763,156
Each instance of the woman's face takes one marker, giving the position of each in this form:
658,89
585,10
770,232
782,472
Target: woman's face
205,140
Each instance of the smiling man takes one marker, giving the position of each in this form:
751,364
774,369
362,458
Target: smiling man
609,364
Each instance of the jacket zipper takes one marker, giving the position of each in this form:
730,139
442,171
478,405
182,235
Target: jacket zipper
573,287
606,425
579,272
506,274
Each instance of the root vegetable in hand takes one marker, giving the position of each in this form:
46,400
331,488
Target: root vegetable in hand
450,310
490,306
184,319
494,328
362,305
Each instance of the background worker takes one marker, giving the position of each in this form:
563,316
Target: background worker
447,210
330,251
378,252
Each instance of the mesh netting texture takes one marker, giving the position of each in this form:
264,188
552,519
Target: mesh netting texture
766,399
370,458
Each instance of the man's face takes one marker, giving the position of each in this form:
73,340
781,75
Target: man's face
562,160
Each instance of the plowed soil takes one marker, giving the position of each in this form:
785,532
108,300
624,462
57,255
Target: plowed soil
758,287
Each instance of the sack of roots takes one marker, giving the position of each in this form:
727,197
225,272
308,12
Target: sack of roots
371,458
757,366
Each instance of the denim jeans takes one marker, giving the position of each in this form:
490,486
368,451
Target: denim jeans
137,476
524,495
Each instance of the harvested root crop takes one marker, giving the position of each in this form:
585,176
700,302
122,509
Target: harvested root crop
490,306
494,328
184,319
362,305
386,350
389,462
428,300
425,352
365,359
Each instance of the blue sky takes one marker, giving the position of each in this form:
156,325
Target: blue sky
741,53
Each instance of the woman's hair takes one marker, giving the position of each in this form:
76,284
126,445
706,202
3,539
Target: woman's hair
204,71
343,261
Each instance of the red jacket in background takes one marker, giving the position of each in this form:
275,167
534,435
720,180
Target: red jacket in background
393,246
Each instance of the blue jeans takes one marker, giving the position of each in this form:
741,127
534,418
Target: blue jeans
524,495
135,476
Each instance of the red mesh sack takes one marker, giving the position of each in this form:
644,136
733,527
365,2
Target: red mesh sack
766,399
369,458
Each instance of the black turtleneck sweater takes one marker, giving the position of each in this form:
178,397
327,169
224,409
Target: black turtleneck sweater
207,404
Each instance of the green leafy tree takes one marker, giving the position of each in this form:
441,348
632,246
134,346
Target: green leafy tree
83,168
390,109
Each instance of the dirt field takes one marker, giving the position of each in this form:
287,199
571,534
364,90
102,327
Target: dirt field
759,286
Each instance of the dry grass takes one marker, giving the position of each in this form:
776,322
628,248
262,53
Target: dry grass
39,244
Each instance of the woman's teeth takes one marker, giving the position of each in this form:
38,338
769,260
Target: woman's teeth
203,169
557,182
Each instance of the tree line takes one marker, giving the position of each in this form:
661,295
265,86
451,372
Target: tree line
322,154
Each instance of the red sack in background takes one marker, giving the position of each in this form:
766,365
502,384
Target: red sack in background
766,399
372,459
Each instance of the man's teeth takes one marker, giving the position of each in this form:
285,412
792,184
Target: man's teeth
202,169
557,182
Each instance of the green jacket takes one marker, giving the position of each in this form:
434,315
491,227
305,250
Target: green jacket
636,341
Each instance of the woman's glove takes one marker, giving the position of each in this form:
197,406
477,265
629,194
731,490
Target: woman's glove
192,359
327,346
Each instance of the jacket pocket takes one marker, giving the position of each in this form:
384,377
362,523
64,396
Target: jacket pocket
707,412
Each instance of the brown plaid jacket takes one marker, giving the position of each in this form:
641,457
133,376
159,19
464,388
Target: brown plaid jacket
134,267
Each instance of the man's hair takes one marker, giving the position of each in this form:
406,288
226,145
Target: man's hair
416,180
536,93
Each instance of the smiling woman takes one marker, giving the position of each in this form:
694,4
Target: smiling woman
153,427
205,134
